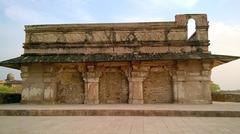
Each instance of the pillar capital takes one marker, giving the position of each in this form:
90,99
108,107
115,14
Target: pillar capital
139,74
136,79
179,75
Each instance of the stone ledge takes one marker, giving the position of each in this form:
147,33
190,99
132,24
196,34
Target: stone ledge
217,109
79,58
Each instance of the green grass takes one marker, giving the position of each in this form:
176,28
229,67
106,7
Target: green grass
6,89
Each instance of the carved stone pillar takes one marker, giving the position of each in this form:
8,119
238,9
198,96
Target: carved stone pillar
179,78
178,88
91,85
50,86
136,87
206,81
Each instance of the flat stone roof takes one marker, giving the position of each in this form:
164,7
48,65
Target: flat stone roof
79,58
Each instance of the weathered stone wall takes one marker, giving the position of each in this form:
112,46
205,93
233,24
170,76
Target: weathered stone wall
191,82
70,86
158,88
113,87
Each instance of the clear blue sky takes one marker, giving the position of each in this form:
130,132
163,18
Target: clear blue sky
223,15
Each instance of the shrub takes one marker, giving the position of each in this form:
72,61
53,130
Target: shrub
6,89
10,98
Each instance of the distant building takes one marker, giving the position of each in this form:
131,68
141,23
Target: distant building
2,82
136,63
11,82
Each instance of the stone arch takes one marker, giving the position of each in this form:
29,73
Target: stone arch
113,86
191,28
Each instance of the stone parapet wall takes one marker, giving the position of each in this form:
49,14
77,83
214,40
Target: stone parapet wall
118,38
226,96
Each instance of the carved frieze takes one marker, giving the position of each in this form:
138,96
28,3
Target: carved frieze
107,36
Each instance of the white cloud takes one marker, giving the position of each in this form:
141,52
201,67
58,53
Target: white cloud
74,11
178,3
138,18
157,4
77,14
225,40
43,12
185,3
156,10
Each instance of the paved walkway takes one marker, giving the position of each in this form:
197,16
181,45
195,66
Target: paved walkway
117,125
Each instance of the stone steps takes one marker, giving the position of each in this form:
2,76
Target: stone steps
117,112
217,109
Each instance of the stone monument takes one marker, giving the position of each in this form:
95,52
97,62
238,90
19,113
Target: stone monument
135,63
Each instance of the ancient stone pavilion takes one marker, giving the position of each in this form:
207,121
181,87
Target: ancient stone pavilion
135,63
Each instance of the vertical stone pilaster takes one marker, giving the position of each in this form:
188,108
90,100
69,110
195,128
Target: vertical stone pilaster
25,90
50,86
206,80
179,78
135,90
24,72
178,88
175,88
206,69
136,87
91,86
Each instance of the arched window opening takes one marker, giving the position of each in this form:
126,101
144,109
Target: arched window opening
191,28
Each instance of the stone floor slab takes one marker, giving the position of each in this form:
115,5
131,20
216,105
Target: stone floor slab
118,125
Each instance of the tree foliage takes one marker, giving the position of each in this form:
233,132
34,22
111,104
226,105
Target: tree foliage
214,87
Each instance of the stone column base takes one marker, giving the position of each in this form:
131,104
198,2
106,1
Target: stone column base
91,102
137,102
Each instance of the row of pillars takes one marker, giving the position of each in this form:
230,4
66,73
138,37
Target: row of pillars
91,83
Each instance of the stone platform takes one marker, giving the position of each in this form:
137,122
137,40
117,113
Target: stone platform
217,109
